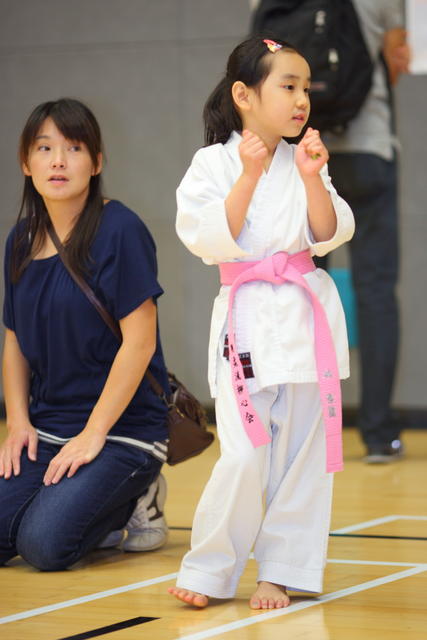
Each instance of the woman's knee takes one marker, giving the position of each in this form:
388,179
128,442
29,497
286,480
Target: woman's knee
43,546
7,547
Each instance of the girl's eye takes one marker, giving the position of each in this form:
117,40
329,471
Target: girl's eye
290,87
75,147
43,147
307,91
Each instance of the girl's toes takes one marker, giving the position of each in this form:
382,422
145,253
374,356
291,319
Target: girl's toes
200,600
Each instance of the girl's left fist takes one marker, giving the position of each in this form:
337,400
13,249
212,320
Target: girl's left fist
311,153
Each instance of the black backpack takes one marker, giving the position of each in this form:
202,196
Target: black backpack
328,35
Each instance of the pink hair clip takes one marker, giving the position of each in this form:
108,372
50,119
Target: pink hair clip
273,46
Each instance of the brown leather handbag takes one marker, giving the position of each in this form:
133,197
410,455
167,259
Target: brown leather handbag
186,418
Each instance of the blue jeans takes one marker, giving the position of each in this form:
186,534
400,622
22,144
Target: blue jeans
369,184
53,527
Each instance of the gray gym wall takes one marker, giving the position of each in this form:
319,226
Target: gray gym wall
146,67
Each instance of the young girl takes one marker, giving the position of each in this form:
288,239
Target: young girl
86,433
259,208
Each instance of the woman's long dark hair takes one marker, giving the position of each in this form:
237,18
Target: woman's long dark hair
250,63
77,123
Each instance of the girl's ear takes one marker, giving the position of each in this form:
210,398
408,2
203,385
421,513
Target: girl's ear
99,162
240,94
25,169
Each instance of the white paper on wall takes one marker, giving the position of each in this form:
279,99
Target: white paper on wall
416,25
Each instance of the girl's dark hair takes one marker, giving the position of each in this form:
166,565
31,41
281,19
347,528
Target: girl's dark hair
249,62
77,123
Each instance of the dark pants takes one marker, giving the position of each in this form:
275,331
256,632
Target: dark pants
369,184
53,527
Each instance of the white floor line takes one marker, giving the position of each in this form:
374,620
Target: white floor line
170,576
376,522
365,525
378,563
94,596
137,585
263,617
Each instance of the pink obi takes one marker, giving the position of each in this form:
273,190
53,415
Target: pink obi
279,268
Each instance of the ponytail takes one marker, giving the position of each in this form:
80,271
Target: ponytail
220,114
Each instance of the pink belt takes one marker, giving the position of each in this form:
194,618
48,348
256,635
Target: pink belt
279,268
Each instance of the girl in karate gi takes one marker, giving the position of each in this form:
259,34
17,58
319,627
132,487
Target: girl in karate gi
260,208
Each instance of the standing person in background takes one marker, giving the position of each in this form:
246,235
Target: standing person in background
87,435
363,167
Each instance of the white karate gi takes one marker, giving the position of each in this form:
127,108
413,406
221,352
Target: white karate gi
275,324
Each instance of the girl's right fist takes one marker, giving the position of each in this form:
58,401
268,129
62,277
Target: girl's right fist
253,154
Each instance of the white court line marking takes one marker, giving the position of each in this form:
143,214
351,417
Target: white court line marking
94,596
365,525
262,617
377,521
170,576
377,563
137,585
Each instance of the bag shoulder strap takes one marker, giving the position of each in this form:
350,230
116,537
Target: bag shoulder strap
91,296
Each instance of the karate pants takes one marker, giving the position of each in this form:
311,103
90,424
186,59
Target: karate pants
275,498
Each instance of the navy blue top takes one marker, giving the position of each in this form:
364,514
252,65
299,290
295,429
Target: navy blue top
69,347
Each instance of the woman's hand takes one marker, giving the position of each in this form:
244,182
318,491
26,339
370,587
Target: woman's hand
78,451
11,449
253,154
311,154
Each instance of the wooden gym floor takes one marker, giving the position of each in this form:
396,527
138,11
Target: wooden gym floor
375,584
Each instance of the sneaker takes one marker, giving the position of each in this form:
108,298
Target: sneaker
382,454
147,528
114,539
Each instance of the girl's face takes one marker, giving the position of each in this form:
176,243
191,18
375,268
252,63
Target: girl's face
60,169
281,107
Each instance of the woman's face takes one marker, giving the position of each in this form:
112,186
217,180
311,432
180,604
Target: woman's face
60,169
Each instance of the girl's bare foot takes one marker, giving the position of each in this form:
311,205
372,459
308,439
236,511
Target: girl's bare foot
190,597
269,596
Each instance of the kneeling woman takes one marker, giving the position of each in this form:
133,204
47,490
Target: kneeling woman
86,432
